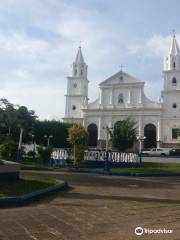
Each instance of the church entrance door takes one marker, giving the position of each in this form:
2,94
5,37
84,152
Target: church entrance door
93,134
150,134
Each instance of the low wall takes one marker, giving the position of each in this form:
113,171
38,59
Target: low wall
9,171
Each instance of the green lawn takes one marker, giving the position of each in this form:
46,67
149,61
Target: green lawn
146,168
150,168
23,186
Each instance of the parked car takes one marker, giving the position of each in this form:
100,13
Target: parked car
157,152
175,152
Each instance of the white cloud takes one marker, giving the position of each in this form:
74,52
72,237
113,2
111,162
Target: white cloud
157,45
39,42
38,66
153,89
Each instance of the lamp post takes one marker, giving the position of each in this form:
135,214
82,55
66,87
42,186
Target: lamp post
48,138
140,139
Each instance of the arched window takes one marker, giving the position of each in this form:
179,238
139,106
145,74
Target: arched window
174,65
73,107
120,98
174,105
150,134
93,135
75,72
174,82
81,72
75,85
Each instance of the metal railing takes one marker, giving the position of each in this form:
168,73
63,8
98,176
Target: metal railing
97,155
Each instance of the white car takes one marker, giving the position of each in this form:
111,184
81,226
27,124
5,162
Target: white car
157,152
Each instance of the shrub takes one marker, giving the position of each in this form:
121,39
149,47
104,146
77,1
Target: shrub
31,154
44,153
8,151
77,136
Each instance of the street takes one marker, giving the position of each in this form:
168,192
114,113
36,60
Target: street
161,159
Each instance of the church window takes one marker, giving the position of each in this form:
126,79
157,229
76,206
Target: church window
175,133
121,78
174,82
174,105
73,107
174,65
75,85
81,72
75,72
120,98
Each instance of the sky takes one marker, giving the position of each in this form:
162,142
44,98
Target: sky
39,41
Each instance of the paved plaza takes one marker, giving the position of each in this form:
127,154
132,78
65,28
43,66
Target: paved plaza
97,207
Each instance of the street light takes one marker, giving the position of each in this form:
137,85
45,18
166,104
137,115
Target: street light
48,139
140,139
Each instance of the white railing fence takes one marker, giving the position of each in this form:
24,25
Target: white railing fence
96,155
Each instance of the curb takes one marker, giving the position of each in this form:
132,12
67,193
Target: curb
31,197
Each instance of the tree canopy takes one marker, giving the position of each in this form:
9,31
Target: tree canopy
12,118
58,130
124,134
78,136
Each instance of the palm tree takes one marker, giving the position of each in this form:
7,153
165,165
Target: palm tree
124,134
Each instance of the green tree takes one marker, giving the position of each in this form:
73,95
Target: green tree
8,151
14,117
123,135
59,131
8,116
44,153
78,136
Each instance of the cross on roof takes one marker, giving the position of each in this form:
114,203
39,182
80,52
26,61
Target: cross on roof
121,67
173,32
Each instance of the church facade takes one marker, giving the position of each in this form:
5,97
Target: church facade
122,96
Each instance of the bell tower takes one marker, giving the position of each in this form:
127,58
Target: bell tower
77,90
171,94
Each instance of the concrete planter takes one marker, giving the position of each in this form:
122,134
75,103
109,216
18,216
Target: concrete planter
31,197
9,171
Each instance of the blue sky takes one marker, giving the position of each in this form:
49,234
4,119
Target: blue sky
39,40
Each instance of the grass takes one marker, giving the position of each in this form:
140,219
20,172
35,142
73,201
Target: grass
147,167
150,168
24,186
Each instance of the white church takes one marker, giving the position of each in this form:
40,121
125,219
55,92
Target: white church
122,95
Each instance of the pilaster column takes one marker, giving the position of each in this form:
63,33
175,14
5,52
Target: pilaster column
100,98
99,128
159,130
129,96
141,133
140,96
111,97
84,122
